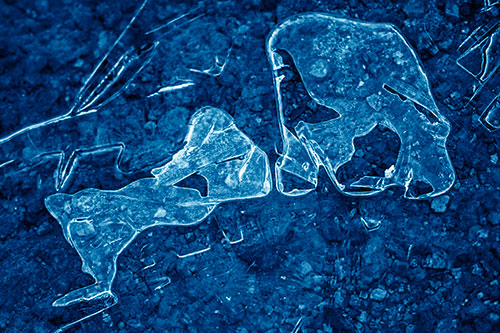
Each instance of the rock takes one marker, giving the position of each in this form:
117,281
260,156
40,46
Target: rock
440,204
339,298
375,102
378,294
331,231
354,301
452,8
44,229
476,308
446,324
319,69
363,317
494,159
150,126
494,218
375,260
414,8
305,268
436,261
494,318
476,233
165,308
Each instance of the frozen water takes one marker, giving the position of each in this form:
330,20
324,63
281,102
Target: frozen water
144,45
100,224
489,5
480,57
214,147
368,74
218,67
491,115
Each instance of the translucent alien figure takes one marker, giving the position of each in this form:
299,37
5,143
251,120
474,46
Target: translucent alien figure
369,74
100,224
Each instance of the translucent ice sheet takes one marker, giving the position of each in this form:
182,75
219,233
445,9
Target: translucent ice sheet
100,224
360,75
480,58
165,54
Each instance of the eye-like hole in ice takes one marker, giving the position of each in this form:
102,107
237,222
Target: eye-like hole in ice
359,75
195,181
100,224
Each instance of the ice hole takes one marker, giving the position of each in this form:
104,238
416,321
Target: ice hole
419,188
195,181
298,105
375,153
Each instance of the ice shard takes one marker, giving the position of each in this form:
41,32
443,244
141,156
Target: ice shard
489,5
360,75
480,58
100,224
165,54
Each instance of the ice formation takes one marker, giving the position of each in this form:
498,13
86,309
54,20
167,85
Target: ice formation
369,74
100,224
480,57
141,46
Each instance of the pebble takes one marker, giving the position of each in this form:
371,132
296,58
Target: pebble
494,218
363,317
305,268
319,69
435,261
44,229
495,318
440,204
378,294
339,298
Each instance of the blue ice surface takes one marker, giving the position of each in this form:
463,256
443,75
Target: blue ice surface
318,262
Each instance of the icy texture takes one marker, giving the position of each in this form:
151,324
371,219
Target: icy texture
480,57
369,74
489,5
491,115
100,224
140,49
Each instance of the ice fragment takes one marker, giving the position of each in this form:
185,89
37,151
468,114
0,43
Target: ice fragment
480,57
100,224
142,40
371,224
369,74
489,5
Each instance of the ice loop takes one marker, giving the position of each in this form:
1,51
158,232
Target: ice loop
368,74
100,224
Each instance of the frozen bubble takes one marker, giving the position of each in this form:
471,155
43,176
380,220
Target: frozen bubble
369,75
100,224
